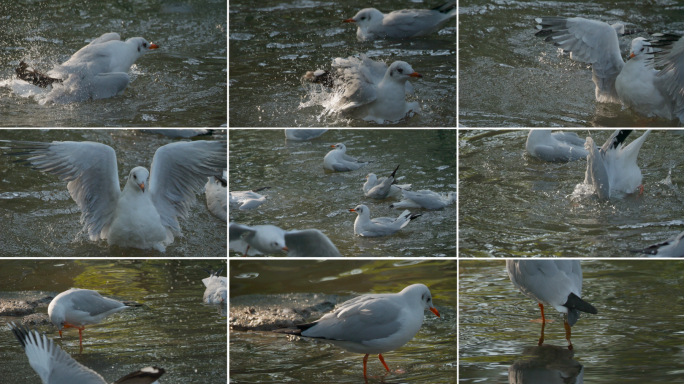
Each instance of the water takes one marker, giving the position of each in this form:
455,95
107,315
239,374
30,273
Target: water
429,358
183,83
173,329
634,338
39,218
273,43
304,195
514,205
510,78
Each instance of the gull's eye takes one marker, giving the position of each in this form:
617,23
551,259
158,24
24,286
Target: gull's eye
642,48
145,45
429,298
363,18
135,177
400,70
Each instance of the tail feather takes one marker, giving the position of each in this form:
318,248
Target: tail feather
34,77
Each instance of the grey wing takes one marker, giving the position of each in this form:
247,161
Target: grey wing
561,152
93,303
359,320
672,247
589,41
310,243
545,280
672,58
179,171
426,199
411,22
303,134
106,85
237,236
91,172
358,91
53,365
105,38
569,137
382,189
596,174
345,166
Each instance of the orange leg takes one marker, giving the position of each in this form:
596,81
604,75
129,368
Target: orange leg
641,189
543,319
383,362
567,335
541,338
365,361
246,250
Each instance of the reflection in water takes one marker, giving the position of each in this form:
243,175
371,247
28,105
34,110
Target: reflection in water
546,364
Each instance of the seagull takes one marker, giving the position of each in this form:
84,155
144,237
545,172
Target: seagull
425,199
97,71
54,366
337,161
145,214
247,199
77,308
672,247
380,226
303,134
406,23
557,283
216,292
267,239
381,188
216,196
372,324
368,89
612,170
556,146
635,83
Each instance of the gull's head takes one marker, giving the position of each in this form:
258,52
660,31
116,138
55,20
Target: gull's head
640,46
277,245
339,146
366,17
137,179
360,210
141,45
57,317
420,292
371,177
400,71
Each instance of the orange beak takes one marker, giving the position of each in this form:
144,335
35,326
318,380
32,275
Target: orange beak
631,55
415,74
286,249
332,146
153,46
349,21
434,310
142,186
352,210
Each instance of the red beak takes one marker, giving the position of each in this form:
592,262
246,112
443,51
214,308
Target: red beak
415,74
434,310
153,46
349,21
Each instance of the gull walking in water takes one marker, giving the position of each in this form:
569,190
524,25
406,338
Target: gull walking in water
379,226
145,214
54,366
372,324
612,170
373,24
556,283
216,292
368,89
267,239
77,308
97,71
383,187
556,146
337,161
425,199
247,199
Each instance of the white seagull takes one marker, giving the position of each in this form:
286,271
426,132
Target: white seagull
54,366
145,214
337,161
556,146
368,89
556,283
373,24
425,199
247,199
267,239
383,187
303,134
216,188
612,170
97,71
672,247
379,226
216,292
77,308
372,324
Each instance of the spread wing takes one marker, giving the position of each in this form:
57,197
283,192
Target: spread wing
310,243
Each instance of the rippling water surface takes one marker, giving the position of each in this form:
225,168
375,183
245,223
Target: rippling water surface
510,78
634,338
183,83
514,205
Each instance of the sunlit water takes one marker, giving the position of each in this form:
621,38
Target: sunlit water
183,83
510,78
514,205
634,338
273,43
172,329
304,195
266,357
39,218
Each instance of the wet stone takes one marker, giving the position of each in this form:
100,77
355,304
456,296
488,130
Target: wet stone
36,319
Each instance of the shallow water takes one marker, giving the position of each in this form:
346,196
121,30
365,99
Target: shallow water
510,78
183,83
304,195
273,43
172,329
511,204
634,338
266,357
39,218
